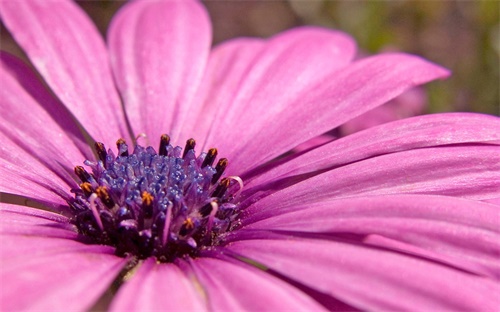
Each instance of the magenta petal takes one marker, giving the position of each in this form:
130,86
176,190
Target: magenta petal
158,287
40,262
338,98
460,232
240,287
406,134
373,279
158,52
66,48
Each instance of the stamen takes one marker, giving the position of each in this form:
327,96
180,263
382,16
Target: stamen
190,144
143,136
122,147
103,194
82,174
215,208
166,228
147,204
86,188
240,183
221,166
210,158
186,227
221,189
164,142
101,152
95,212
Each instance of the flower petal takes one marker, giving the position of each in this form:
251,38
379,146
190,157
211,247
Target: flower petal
158,287
456,231
240,287
462,171
281,71
66,48
406,134
158,53
370,278
338,98
39,267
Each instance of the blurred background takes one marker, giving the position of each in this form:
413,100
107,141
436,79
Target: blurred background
463,36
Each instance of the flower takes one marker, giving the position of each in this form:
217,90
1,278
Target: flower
399,216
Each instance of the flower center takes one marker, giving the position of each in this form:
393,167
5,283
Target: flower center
165,205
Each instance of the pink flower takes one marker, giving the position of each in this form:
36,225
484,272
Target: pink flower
393,218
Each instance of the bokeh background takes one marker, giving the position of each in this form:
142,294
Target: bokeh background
463,36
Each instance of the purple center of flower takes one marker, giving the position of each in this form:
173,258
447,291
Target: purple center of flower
148,204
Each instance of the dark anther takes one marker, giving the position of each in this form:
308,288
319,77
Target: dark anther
86,188
101,151
186,227
209,159
221,188
122,147
206,210
189,146
221,166
147,204
82,174
164,142
103,194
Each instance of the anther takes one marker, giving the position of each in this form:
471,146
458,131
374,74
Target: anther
221,189
189,146
209,159
164,142
86,188
101,151
186,227
122,147
147,204
221,166
205,210
82,174
103,194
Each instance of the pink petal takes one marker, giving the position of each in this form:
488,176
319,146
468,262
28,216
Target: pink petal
44,270
240,287
280,72
406,134
460,232
469,172
336,99
372,279
158,287
158,53
68,51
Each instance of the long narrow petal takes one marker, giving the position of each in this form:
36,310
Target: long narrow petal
280,72
240,287
158,53
66,48
469,172
370,278
158,287
340,97
43,268
406,134
460,232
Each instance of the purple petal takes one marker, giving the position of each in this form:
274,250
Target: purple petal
462,171
460,232
158,287
281,71
372,279
67,50
39,264
240,287
407,134
344,95
158,52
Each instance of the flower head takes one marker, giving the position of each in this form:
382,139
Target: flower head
398,216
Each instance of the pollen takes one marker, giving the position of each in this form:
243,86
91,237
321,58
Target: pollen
166,204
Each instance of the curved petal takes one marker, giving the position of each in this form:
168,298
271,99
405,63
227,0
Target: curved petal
158,53
40,263
338,98
406,134
456,231
67,50
240,287
281,71
158,287
462,171
370,278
